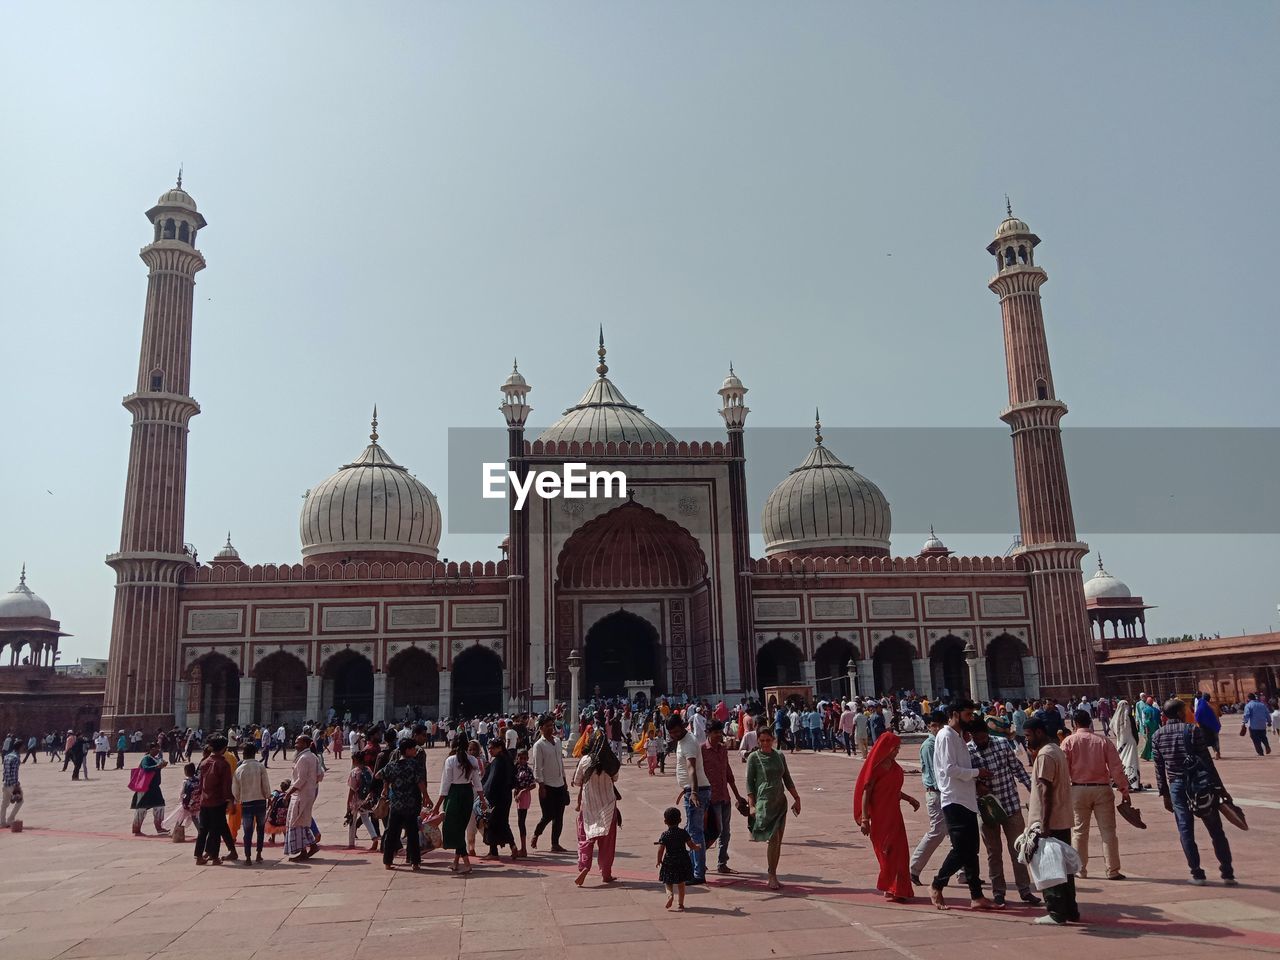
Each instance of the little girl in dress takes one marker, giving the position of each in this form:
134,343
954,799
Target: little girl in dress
524,794
675,867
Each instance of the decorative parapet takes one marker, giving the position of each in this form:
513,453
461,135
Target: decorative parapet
683,449
429,572
808,566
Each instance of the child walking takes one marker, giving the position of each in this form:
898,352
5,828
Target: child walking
675,867
651,754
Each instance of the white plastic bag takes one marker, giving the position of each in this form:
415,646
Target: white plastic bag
1052,863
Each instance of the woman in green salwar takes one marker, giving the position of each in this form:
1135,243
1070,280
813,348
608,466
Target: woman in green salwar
767,777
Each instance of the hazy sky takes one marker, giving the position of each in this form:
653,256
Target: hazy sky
401,196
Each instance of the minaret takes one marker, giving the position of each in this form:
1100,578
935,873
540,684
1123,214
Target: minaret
142,667
734,410
1063,642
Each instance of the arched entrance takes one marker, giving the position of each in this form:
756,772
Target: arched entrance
477,683
415,685
214,686
281,696
830,665
348,687
891,666
948,669
1004,668
778,664
620,647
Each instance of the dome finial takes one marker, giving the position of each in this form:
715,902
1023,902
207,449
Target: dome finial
602,368
515,364
817,426
22,580
1008,207
179,175
932,535
374,434
228,538
1099,559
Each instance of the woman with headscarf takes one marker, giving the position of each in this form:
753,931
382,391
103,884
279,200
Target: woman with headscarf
767,778
459,787
499,785
1148,719
1125,729
597,807
877,807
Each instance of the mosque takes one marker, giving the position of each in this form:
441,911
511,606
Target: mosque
655,593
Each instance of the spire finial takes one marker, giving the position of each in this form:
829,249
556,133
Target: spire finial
228,538
731,368
932,535
817,426
1099,560
374,434
22,581
179,175
1008,207
601,368
515,364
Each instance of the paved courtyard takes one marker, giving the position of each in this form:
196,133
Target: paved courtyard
76,884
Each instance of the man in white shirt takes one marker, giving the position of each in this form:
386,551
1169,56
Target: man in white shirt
101,745
958,793
695,791
848,720
553,793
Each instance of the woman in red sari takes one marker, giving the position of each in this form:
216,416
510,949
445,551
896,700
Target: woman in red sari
877,799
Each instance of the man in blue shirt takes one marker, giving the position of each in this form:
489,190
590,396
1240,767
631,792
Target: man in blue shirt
937,831
1256,719
878,725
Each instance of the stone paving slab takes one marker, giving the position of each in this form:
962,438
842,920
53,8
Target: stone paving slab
77,886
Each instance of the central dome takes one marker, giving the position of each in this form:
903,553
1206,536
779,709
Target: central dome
826,508
604,415
371,509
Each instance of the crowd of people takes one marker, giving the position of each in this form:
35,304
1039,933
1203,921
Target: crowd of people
1070,758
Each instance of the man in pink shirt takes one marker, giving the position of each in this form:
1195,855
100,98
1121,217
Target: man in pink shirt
1094,764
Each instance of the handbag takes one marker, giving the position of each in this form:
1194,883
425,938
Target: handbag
381,809
1243,729
140,780
992,811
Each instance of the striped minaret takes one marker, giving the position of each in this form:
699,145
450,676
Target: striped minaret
1062,640
142,667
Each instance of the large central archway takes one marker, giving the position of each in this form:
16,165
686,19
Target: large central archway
414,682
620,647
477,683
891,665
350,678
778,664
282,689
948,669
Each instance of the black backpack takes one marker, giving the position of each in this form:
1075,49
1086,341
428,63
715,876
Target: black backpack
1197,775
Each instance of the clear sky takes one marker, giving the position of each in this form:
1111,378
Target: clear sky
401,196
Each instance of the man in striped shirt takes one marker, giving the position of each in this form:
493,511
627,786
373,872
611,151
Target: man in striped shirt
997,755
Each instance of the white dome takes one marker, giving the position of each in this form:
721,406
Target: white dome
371,505
20,602
604,415
825,505
933,544
1012,226
1103,584
228,552
177,197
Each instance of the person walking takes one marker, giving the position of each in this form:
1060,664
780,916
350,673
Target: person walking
404,787
937,830
1210,724
459,787
250,788
11,798
695,790
152,798
1190,787
997,754
101,745
877,808
767,778
1094,764
300,841
715,763
1124,728
499,784
553,791
33,742
597,807
958,794
1256,719
215,794
1051,809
